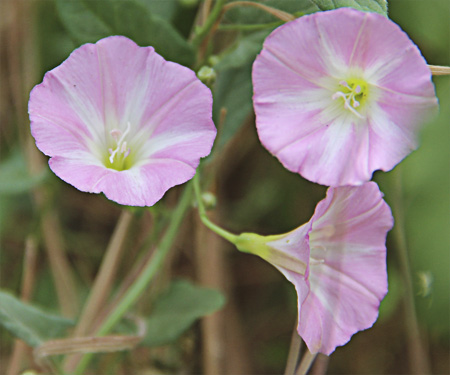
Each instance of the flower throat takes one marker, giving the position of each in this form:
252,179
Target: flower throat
119,158
354,92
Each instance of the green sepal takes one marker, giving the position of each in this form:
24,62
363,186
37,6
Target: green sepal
253,243
256,244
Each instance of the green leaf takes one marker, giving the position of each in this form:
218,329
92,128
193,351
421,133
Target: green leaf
378,6
177,310
165,9
52,40
245,51
233,92
15,178
89,20
29,323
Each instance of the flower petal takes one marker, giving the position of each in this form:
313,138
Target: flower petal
129,187
348,266
299,72
161,109
335,309
68,103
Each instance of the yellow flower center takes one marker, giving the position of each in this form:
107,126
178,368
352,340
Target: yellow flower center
119,158
354,93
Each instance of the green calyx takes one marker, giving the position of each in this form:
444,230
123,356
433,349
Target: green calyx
253,243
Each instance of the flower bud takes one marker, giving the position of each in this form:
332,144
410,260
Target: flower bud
207,75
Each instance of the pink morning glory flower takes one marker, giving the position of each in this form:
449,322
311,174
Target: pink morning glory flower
337,263
340,94
119,119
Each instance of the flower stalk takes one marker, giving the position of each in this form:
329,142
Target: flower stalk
283,16
147,274
103,281
204,218
306,363
294,352
203,31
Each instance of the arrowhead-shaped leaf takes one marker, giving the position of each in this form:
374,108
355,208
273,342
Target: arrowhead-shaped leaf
30,323
177,309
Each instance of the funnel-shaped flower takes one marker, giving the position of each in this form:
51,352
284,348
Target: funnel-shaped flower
340,94
337,263
119,119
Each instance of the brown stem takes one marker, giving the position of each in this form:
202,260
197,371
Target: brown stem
102,284
64,278
206,9
59,264
210,273
124,286
28,281
305,364
294,353
78,345
284,16
104,280
321,365
437,70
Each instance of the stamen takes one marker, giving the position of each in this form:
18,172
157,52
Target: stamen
111,158
338,94
350,102
121,145
345,84
127,130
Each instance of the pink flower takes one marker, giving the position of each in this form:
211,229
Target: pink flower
340,94
119,119
337,263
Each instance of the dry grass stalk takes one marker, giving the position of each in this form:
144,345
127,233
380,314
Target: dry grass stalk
283,16
83,345
28,281
104,280
437,70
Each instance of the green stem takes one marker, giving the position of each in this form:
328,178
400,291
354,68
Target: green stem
149,271
253,27
204,218
209,23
